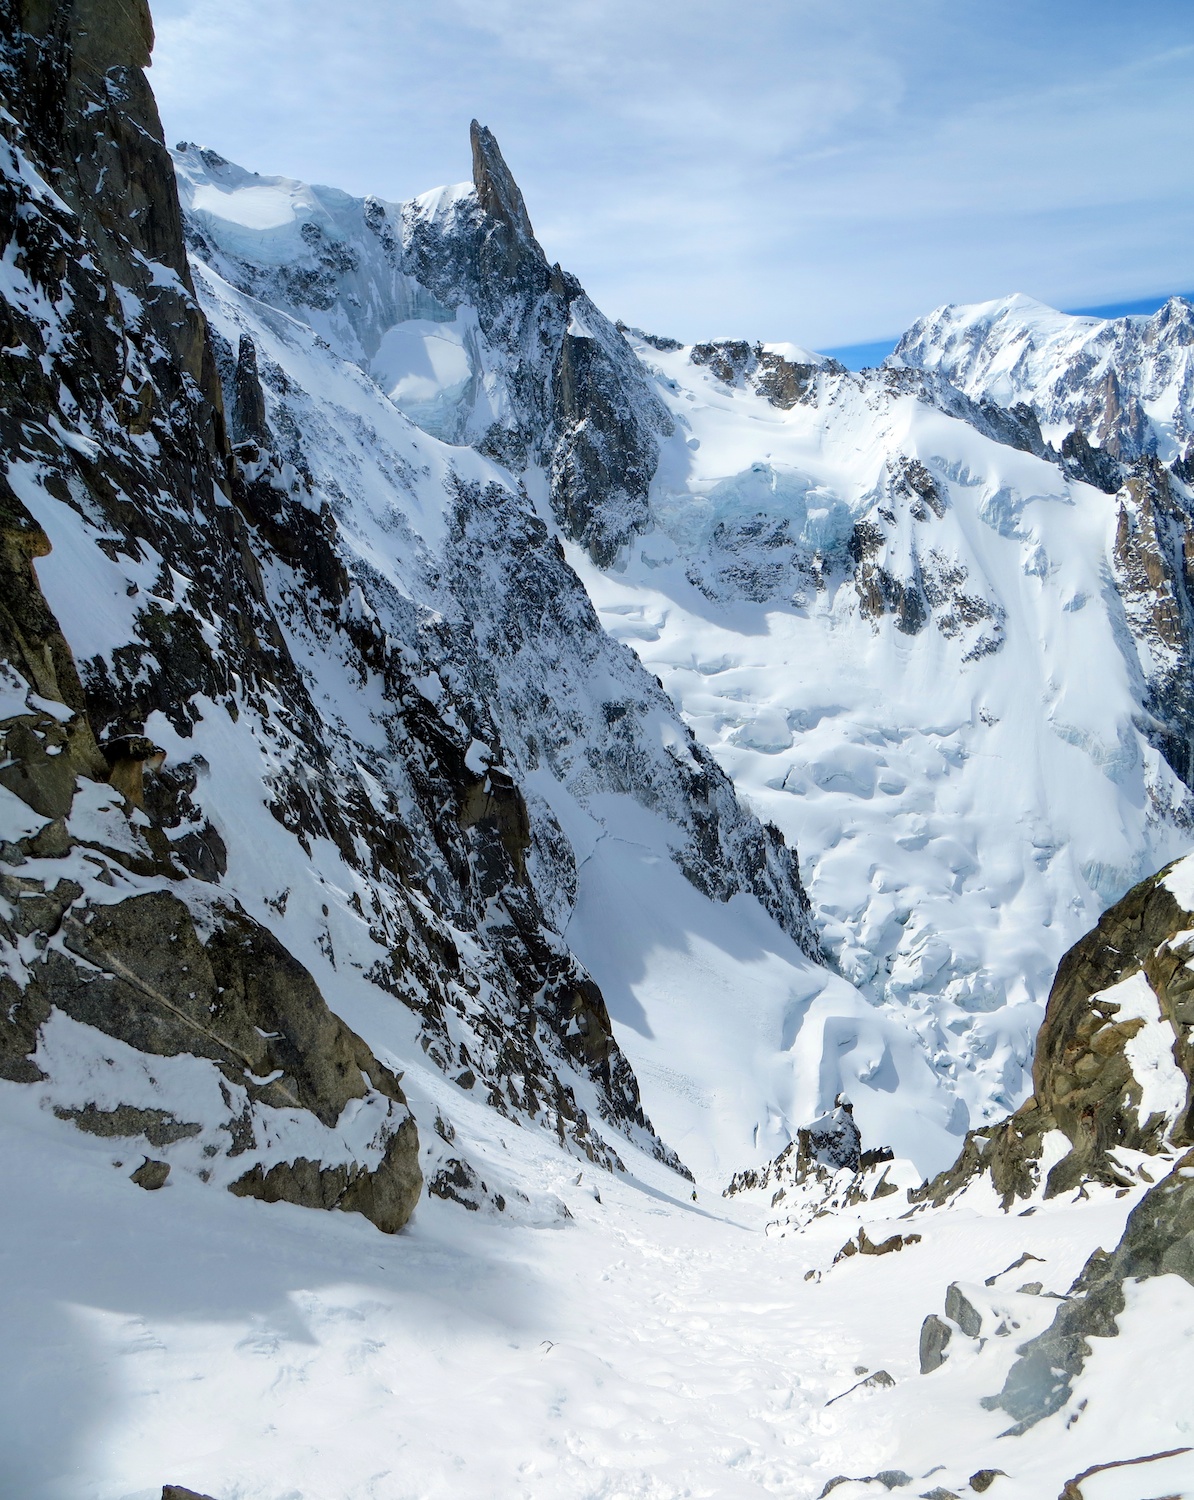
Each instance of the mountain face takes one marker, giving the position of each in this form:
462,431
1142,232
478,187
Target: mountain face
951,670
380,516
1124,386
846,583
351,319
449,304
1112,1078
299,688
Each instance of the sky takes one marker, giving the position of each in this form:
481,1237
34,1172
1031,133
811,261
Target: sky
821,171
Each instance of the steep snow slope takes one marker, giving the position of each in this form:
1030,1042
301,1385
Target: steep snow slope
906,644
1126,383
736,1038
949,671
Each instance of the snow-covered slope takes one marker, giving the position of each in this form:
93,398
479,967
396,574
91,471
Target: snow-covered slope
311,655
947,669
1126,383
347,861
735,1037
647,1347
918,651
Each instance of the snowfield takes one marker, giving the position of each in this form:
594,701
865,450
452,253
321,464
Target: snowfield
646,1346
965,801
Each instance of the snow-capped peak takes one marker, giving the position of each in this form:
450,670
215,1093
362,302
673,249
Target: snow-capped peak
1127,383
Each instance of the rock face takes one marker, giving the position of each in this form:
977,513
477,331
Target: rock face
1158,1240
1154,575
1112,1074
897,535
935,1334
294,700
105,342
543,379
1113,1060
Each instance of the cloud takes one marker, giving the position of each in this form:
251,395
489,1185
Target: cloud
771,168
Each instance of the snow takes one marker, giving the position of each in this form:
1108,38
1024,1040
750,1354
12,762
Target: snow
418,359
960,822
736,1038
1017,349
1163,1085
649,1346
964,804
17,818
94,599
1179,882
242,210
393,475
477,757
795,354
961,813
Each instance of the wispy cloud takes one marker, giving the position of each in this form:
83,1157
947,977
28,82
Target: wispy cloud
774,168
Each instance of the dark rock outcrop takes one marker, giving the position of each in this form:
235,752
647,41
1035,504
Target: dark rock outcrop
151,1174
935,1334
960,1309
1092,465
1086,1088
579,401
1154,575
831,1144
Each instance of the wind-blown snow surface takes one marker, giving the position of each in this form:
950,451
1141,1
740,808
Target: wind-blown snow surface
647,1348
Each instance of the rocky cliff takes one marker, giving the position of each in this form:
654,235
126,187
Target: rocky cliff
1112,1064
298,701
542,377
119,947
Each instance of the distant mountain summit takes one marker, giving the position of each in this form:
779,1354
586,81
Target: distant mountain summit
1127,384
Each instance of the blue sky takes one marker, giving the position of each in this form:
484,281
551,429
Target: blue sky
782,169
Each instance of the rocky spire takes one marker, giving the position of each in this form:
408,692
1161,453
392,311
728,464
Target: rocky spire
497,191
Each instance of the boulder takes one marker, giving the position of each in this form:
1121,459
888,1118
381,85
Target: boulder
962,1311
935,1334
151,1174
